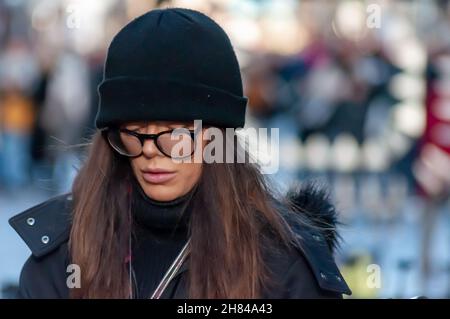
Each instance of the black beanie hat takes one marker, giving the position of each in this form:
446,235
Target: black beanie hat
172,64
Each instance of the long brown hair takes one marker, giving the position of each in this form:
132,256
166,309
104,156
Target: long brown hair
232,221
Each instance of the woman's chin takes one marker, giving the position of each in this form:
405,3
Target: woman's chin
161,193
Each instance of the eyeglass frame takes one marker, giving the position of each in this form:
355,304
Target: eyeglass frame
142,137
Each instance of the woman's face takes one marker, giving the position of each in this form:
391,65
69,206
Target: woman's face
162,178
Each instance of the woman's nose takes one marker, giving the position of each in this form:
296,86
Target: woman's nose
149,149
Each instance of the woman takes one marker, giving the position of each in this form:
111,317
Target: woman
144,220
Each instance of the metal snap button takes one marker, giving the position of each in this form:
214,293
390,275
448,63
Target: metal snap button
338,278
45,239
30,221
324,277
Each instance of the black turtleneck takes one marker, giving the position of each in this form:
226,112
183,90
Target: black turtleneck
160,232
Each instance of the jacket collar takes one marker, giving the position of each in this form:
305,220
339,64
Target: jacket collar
46,226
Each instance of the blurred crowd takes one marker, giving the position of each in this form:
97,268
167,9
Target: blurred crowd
360,91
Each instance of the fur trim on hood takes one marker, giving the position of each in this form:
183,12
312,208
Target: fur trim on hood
312,201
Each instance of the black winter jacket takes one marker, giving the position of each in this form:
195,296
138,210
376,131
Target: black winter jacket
308,270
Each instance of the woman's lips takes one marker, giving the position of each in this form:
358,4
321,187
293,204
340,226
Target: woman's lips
157,176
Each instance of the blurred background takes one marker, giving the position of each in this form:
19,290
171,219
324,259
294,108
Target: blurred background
360,91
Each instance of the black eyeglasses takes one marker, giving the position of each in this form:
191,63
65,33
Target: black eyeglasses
176,143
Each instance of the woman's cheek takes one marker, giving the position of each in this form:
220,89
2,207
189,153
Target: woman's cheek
190,175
